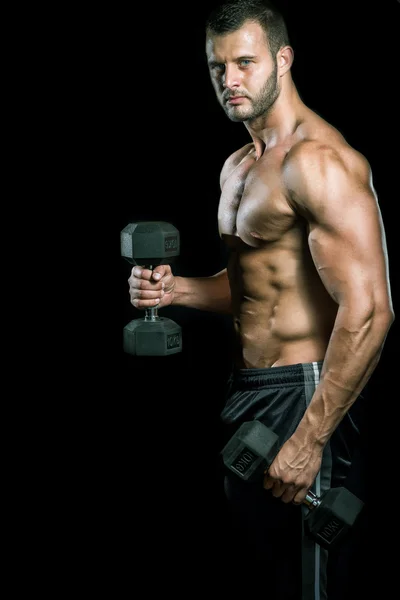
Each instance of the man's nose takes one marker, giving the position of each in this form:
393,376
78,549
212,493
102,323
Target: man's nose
231,78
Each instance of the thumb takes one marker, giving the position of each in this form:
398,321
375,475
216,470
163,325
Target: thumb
158,272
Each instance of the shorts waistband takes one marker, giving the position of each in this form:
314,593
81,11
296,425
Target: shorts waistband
294,374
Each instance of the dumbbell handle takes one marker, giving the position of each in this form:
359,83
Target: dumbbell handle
151,314
311,500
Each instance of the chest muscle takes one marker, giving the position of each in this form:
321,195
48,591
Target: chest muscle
253,204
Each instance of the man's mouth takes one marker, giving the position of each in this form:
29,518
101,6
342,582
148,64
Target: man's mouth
235,99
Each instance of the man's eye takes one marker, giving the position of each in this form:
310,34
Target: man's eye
245,62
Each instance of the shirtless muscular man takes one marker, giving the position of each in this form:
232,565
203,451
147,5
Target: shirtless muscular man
306,283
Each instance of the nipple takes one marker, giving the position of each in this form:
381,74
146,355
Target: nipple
256,235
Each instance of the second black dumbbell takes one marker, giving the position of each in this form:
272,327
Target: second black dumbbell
249,454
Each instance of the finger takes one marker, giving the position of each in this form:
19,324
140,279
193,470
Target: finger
141,273
146,294
289,494
300,497
268,482
275,485
145,303
278,489
142,284
136,271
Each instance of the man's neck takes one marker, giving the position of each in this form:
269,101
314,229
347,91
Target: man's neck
279,123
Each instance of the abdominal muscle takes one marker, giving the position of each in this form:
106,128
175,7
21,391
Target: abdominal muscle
282,313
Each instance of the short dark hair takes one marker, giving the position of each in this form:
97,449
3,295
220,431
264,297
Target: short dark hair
230,15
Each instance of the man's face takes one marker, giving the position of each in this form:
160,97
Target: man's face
243,72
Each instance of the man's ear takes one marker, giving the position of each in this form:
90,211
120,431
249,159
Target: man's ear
285,58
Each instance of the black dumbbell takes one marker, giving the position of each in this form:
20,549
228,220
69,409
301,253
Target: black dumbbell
249,454
149,244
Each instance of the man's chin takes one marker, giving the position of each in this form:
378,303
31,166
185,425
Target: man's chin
236,116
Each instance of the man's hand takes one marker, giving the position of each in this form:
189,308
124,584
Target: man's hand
293,470
151,288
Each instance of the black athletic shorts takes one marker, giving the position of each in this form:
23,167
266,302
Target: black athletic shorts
270,532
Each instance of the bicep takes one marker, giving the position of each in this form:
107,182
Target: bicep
347,244
333,190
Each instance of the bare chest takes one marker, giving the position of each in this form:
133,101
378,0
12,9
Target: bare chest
253,204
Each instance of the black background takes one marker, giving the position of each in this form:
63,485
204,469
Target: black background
152,424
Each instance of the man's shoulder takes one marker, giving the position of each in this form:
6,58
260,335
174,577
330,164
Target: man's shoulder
320,173
316,155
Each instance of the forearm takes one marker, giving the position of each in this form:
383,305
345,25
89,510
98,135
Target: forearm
352,355
204,293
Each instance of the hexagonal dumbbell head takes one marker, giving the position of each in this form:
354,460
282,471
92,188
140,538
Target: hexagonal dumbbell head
251,450
152,338
336,513
150,243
